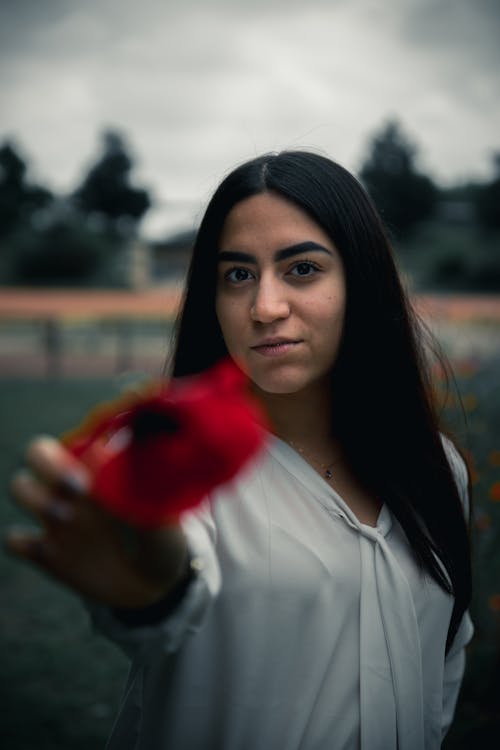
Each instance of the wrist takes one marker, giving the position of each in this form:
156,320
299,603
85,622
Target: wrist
161,608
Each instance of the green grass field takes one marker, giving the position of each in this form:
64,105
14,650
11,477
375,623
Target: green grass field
61,683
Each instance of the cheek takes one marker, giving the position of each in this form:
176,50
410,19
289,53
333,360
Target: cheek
330,312
231,325
222,312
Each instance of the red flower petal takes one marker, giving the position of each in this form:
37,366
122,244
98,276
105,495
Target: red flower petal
156,455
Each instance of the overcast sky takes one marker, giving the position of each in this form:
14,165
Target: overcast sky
198,86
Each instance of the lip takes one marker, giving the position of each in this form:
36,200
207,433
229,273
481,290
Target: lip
275,347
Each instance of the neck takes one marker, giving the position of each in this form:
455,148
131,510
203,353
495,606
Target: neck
303,418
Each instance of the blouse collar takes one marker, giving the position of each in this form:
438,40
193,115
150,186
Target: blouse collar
296,464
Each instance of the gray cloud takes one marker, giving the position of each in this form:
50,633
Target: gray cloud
468,29
201,86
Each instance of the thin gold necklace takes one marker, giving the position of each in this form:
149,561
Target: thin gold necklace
326,469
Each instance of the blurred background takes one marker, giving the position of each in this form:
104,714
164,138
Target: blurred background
117,121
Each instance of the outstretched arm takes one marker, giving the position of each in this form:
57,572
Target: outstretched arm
81,545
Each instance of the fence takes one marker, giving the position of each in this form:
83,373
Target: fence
84,333
59,333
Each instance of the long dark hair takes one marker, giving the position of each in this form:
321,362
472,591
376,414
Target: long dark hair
382,406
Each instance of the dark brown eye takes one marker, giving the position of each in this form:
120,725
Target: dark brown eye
237,275
304,268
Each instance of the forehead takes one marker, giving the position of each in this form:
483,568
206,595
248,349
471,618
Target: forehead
268,221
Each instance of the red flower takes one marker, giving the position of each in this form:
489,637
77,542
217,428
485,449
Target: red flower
153,456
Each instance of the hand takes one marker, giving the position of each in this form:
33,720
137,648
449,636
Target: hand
81,545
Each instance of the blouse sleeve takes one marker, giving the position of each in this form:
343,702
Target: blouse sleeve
455,660
141,641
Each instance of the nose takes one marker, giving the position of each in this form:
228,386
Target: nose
270,302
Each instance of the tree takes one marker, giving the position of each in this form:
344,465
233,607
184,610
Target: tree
488,199
106,191
66,251
19,200
403,196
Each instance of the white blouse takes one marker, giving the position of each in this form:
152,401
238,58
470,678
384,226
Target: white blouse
305,629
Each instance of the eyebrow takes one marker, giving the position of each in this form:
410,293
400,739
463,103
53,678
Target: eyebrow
283,254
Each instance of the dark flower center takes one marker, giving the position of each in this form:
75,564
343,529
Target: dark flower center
150,423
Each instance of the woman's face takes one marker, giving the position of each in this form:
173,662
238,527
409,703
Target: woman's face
280,294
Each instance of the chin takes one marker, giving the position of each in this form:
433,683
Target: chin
279,386
290,381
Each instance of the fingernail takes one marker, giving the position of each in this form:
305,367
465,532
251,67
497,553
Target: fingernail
74,484
60,512
19,531
19,542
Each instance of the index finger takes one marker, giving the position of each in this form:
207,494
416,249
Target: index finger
56,466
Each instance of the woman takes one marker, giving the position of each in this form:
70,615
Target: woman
325,602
